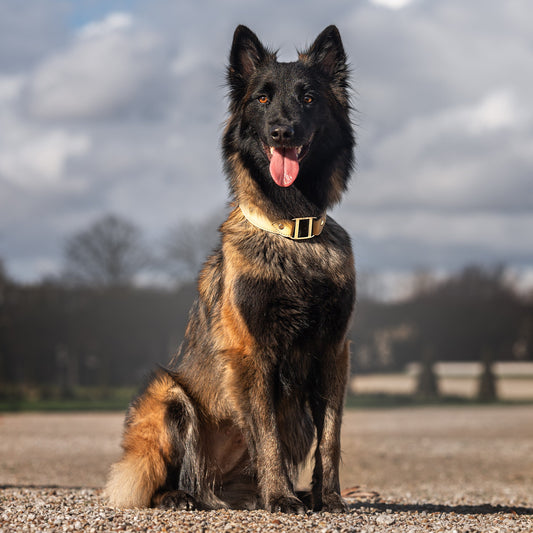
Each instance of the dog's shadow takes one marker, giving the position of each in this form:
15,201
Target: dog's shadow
361,500
429,508
367,502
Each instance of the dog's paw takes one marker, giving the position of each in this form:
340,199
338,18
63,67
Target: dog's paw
286,504
178,500
332,503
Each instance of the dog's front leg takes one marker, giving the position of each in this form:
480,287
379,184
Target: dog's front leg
276,488
327,413
258,411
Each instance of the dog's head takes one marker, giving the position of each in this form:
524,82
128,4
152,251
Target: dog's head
290,121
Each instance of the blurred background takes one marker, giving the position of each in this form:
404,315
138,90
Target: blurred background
111,189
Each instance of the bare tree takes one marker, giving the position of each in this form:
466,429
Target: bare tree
4,280
423,282
107,254
487,389
187,246
427,387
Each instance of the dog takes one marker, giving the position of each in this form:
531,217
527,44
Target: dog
264,363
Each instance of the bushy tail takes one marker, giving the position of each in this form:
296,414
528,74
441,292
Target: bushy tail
133,481
147,447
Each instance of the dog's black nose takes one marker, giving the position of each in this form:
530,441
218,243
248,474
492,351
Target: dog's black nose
281,133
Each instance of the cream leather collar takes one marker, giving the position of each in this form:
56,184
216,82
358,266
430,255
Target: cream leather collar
296,229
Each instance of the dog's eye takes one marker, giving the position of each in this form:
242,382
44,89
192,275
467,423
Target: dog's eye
263,99
308,99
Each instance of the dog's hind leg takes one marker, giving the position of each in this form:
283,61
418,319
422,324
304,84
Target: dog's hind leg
162,461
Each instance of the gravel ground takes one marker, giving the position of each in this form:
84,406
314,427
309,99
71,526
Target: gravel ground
435,469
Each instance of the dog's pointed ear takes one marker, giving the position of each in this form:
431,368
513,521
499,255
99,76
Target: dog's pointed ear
327,53
247,53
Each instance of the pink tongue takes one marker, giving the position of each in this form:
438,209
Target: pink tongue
284,166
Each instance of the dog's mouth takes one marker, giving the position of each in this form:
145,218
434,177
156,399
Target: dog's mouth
285,162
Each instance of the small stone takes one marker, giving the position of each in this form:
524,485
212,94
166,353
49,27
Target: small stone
385,520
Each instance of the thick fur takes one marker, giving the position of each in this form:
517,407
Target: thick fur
265,359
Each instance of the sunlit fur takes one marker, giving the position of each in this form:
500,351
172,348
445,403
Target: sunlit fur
264,362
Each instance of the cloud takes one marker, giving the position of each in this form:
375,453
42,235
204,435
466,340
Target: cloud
456,158
392,4
496,111
39,160
30,34
112,23
445,137
33,156
124,113
103,73
10,88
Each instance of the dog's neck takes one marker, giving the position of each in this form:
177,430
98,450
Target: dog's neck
297,229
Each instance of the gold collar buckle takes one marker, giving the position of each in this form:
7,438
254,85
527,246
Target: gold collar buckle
298,227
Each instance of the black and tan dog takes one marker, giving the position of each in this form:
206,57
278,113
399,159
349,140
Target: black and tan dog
265,357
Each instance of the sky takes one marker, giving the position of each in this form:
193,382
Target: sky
110,106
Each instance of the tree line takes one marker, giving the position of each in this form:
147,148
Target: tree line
92,325
473,315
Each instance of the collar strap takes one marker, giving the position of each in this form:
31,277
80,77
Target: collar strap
296,229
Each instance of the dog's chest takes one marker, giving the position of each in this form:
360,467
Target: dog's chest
308,303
